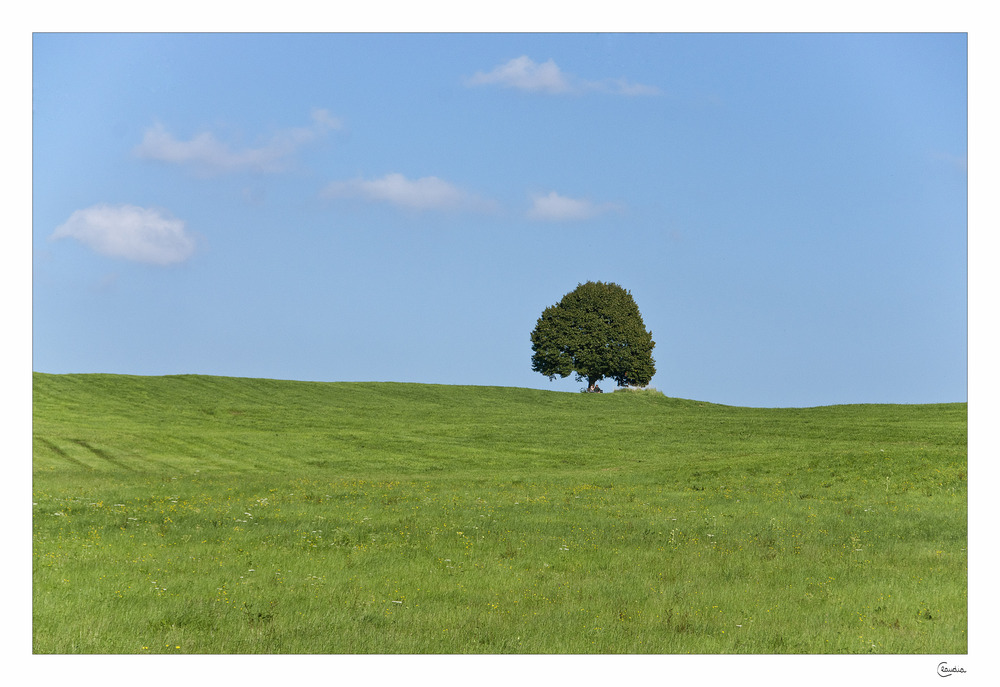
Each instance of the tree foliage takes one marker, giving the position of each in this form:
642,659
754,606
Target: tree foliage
595,331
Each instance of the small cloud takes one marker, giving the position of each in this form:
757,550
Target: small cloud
525,74
129,232
556,208
323,119
959,162
625,87
209,155
426,193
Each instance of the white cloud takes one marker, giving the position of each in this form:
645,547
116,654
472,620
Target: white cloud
554,207
207,154
426,193
525,74
324,120
522,72
625,87
129,232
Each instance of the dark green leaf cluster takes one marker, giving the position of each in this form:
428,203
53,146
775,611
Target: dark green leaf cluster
597,332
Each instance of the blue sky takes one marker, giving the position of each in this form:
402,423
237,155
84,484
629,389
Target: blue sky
788,211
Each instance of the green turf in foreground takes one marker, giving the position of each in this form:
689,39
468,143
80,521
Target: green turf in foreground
219,515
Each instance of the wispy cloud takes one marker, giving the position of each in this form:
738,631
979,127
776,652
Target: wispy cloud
324,120
425,193
556,208
207,154
624,87
129,232
525,74
959,162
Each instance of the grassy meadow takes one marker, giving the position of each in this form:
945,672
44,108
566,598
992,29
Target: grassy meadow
194,514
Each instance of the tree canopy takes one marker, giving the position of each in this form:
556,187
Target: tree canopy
595,331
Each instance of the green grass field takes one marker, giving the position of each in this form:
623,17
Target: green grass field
196,514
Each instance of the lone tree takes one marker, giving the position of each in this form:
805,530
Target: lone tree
596,331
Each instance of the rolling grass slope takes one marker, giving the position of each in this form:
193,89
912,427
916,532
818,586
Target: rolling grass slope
210,515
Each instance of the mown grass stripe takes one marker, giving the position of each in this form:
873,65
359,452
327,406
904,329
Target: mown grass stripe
61,453
102,454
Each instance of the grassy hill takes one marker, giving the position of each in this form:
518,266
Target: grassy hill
209,514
